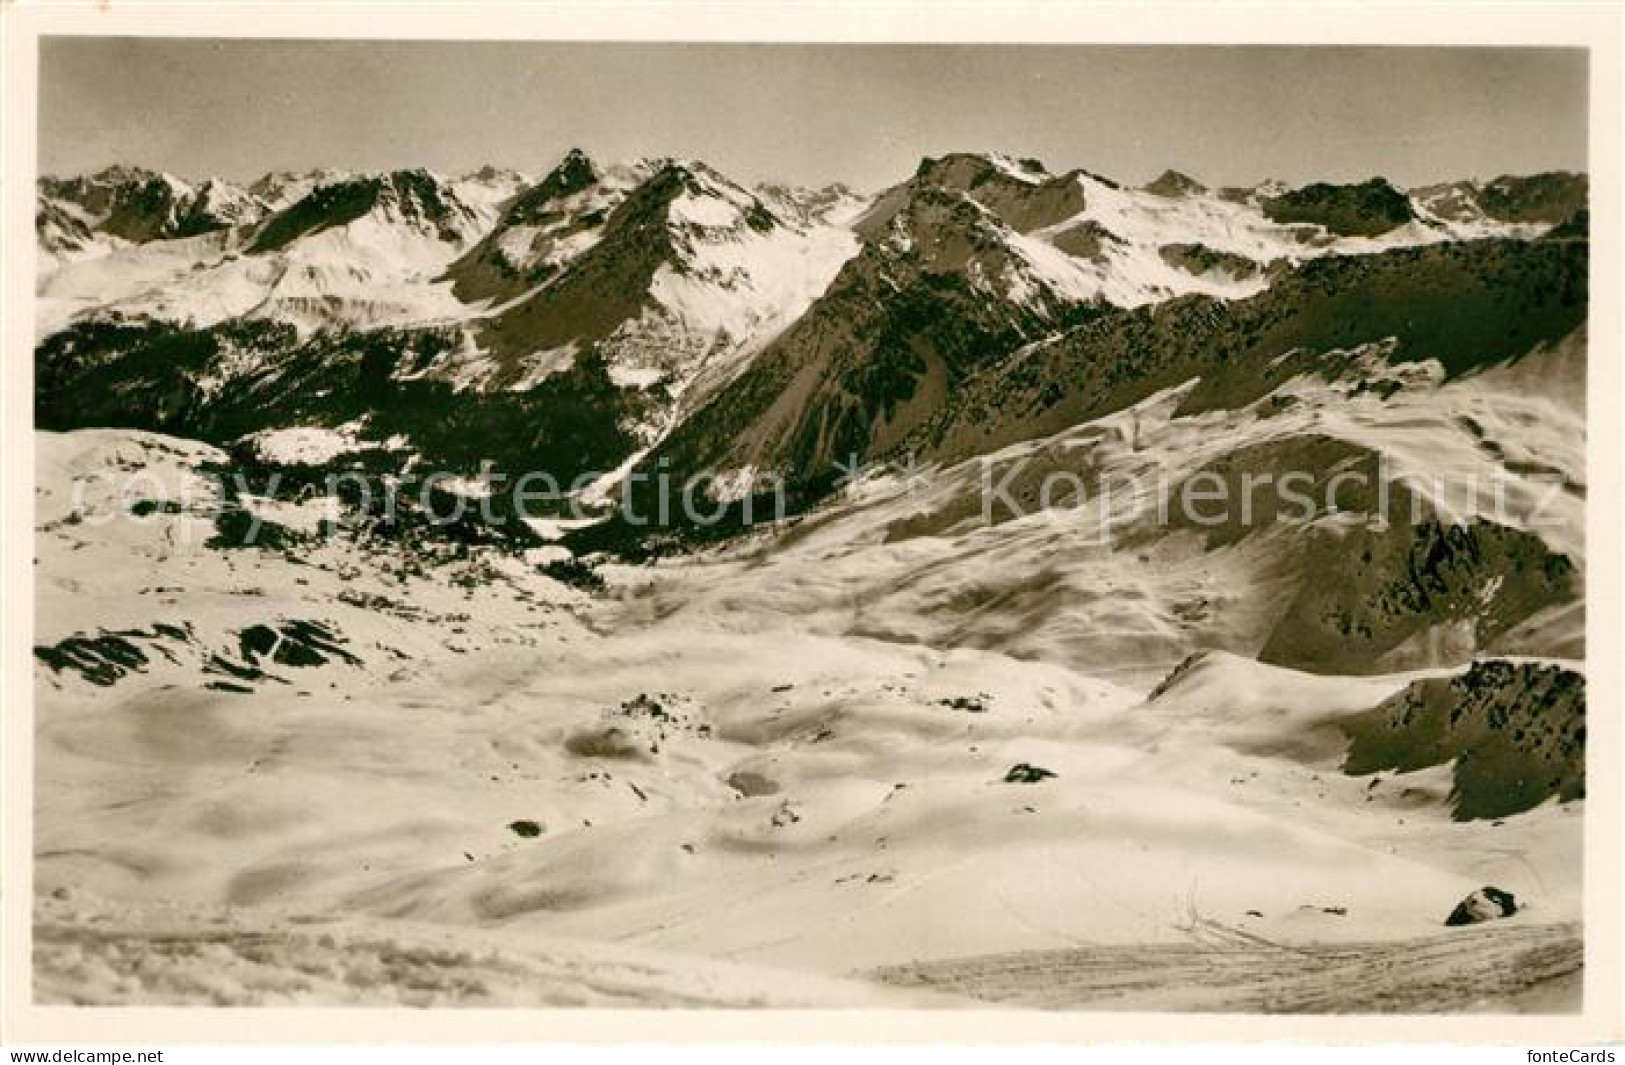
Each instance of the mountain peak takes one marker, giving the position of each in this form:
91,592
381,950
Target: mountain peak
574,173
417,196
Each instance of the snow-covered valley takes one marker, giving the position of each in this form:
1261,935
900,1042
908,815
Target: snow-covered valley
942,736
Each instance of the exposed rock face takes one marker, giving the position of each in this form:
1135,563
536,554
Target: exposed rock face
808,205
1453,201
604,286
667,268
59,228
538,203
1550,198
300,644
1576,228
1485,904
1515,731
226,382
1364,210
1086,240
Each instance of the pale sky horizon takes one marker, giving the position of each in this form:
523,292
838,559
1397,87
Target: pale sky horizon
811,114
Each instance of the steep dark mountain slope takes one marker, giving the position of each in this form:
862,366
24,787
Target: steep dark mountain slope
905,353
1172,183
969,307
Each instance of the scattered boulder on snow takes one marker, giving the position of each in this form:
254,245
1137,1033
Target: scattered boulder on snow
1485,904
1022,773
607,741
750,783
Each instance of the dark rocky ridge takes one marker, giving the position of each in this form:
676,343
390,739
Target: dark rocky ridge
1023,205
153,377
1198,259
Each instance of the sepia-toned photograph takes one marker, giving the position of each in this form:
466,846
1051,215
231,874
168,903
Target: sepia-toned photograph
1076,527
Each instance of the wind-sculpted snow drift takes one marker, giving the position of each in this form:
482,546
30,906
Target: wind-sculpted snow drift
1011,582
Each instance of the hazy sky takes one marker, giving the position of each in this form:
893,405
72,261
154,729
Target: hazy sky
864,114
